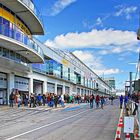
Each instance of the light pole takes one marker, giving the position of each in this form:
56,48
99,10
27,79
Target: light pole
130,83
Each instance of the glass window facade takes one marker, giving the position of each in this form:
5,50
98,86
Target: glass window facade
65,72
72,77
13,56
49,67
10,30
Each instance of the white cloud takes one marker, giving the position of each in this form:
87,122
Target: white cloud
60,5
131,47
99,21
108,71
96,39
95,63
88,58
126,11
87,24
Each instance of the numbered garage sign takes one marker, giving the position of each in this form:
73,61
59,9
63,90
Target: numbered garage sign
128,124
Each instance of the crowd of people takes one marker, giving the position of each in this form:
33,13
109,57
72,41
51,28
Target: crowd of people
135,98
34,100
53,100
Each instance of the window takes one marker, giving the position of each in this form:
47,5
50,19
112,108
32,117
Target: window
6,22
12,55
5,53
23,59
17,57
1,51
1,20
6,27
25,40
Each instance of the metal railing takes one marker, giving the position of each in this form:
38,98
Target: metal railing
33,8
134,109
19,36
11,55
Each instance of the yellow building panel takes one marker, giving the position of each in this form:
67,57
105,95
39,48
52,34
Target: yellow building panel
1,12
65,62
21,26
7,15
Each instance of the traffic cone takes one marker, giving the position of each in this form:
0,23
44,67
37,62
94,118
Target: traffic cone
118,135
120,123
127,136
121,119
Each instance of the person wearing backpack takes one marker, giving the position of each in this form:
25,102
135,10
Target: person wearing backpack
97,100
91,98
102,101
11,98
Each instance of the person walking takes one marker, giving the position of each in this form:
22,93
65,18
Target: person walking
91,100
44,99
102,102
32,100
121,101
49,99
19,100
61,100
39,100
125,100
111,98
97,101
55,100
11,98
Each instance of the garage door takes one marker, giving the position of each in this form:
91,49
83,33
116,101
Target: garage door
51,87
3,81
21,83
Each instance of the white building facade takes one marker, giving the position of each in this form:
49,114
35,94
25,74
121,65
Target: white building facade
31,67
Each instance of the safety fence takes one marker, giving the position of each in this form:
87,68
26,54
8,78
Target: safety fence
133,109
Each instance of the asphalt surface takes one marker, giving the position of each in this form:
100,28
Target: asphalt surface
75,123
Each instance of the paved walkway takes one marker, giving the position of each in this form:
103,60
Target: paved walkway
79,124
46,108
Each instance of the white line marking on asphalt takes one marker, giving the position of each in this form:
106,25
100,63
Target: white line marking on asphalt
45,125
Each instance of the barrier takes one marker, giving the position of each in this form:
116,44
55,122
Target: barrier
137,116
131,106
119,128
121,123
127,136
118,136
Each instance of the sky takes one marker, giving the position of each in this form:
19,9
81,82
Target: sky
101,33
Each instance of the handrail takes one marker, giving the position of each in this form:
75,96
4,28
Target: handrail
33,8
19,36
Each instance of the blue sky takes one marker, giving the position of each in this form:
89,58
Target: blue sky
102,33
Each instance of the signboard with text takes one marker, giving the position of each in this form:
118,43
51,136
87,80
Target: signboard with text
128,124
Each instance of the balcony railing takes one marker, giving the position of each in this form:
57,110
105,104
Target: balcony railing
33,8
11,55
19,36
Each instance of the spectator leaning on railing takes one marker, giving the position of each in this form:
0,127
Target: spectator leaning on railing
135,98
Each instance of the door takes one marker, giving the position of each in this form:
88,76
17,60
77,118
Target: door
37,87
3,97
